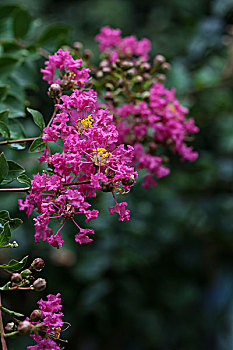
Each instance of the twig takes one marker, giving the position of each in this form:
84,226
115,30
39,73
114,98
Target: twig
18,141
76,183
22,189
4,346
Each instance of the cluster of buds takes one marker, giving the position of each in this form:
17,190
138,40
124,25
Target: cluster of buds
25,279
89,157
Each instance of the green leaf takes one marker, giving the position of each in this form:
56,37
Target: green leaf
3,167
3,91
12,313
14,171
7,286
4,131
37,145
21,22
7,65
15,106
5,235
38,118
15,265
6,10
5,217
24,179
54,32
4,116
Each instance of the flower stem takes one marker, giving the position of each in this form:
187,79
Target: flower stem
4,346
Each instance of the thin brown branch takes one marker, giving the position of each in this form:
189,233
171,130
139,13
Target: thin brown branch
3,341
76,183
18,141
53,116
13,189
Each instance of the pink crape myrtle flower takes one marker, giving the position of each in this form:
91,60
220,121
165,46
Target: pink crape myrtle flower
160,122
52,323
62,66
88,158
111,42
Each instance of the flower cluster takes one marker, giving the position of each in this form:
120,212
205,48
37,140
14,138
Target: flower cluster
147,115
48,323
111,42
154,126
62,69
88,158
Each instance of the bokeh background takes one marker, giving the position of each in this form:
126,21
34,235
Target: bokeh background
163,280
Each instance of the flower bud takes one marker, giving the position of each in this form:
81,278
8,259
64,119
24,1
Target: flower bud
99,74
26,273
126,65
36,315
55,90
38,264
87,54
138,79
160,78
145,66
106,69
166,66
109,87
77,45
16,278
108,95
10,326
39,284
128,182
159,59
107,186
25,327
131,72
66,84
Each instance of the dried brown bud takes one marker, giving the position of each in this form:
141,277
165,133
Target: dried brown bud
36,315
38,264
39,284
55,90
16,278
25,327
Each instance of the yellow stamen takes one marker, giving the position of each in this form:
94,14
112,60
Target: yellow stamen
100,156
58,333
172,107
87,123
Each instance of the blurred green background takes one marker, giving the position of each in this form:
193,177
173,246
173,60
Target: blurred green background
163,280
